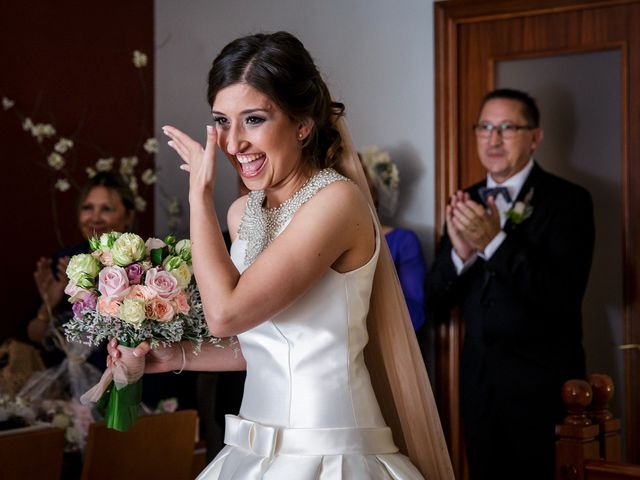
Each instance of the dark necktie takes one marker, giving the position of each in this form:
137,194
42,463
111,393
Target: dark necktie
486,192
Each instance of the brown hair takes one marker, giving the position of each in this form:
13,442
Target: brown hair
278,65
113,182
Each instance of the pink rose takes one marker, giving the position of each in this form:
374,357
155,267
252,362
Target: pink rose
76,293
163,283
141,291
113,282
108,306
104,256
153,244
134,272
181,303
161,309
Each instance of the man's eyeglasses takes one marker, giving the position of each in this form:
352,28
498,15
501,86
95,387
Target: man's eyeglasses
505,130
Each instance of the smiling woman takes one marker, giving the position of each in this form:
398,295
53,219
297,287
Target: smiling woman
262,142
105,204
296,289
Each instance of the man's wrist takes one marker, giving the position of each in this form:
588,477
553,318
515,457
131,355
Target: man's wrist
490,248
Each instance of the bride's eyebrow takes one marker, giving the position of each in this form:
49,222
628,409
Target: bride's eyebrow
244,112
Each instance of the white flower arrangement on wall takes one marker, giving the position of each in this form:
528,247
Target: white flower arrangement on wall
57,149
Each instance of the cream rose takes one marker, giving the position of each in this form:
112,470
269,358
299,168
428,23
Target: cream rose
182,274
132,311
128,248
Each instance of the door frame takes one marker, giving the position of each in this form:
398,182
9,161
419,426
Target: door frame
451,174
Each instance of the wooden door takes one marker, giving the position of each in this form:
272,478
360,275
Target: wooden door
471,36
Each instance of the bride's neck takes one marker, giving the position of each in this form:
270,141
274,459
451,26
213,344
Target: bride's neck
286,188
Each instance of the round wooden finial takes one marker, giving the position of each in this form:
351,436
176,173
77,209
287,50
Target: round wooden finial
602,387
577,396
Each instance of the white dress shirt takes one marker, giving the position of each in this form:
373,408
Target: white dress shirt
514,185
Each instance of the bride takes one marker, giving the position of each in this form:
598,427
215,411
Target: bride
299,285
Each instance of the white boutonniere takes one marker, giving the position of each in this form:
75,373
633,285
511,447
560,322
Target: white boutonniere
521,210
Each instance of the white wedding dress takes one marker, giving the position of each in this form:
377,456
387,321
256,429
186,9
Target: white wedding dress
309,411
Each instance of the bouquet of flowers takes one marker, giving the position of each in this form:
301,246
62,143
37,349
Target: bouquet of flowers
133,291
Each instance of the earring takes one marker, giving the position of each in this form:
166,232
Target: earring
300,136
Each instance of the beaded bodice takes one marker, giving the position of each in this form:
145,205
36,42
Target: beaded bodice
260,226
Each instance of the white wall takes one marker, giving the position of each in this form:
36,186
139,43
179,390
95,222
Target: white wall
376,56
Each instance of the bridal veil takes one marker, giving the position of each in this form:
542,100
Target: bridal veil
398,373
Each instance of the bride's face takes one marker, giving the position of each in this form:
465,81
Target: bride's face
260,140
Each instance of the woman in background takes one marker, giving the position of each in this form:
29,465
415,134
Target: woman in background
105,204
404,244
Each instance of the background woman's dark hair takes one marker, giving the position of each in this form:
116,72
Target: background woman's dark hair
279,66
111,181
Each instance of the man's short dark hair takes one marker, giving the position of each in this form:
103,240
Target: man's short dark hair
529,107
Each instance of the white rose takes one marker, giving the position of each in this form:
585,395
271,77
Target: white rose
183,249
132,311
128,248
182,274
83,269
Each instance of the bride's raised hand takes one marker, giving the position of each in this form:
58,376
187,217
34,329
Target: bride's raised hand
199,162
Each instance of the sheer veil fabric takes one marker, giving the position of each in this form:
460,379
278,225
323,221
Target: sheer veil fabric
393,357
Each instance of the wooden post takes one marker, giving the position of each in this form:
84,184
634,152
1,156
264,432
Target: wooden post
577,434
609,437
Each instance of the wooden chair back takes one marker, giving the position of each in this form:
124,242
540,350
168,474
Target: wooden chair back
599,470
31,452
158,446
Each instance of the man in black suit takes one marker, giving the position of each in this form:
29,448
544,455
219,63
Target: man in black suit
515,258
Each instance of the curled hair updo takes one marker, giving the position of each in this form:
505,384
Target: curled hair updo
278,66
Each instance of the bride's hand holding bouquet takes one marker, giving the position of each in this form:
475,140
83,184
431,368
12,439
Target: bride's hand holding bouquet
162,359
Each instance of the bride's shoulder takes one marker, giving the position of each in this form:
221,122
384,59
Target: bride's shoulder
342,196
